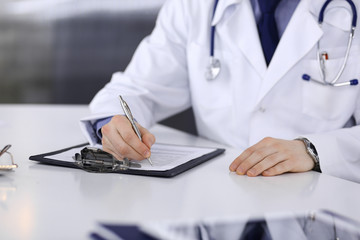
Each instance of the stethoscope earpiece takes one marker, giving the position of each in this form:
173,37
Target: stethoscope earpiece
353,82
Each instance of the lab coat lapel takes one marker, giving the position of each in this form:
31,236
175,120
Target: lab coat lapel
300,36
241,31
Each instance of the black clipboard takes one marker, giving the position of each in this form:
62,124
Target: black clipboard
42,158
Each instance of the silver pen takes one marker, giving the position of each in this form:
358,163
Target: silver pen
130,117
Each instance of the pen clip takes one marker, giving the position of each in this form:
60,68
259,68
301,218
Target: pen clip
96,160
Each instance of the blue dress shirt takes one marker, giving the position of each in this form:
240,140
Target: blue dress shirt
283,13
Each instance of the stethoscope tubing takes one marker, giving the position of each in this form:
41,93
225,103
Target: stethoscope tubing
321,63
212,32
353,8
214,66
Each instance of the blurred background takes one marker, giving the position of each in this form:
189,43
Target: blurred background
64,51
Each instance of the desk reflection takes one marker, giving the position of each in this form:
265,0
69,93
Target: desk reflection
319,225
302,184
7,188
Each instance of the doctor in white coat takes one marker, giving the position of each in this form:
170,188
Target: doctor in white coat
250,105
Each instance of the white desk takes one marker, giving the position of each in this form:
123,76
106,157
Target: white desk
47,202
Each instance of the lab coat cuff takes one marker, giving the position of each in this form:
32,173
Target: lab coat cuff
99,124
89,129
327,149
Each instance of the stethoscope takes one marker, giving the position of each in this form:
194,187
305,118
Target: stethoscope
322,57
214,67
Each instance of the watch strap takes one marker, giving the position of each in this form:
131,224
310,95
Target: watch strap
311,150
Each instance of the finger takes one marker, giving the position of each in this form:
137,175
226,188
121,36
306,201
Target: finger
278,169
133,141
147,138
245,154
268,162
107,147
107,143
257,156
114,133
119,149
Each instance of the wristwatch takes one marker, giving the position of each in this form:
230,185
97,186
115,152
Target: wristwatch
311,150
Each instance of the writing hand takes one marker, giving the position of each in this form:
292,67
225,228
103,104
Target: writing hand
120,140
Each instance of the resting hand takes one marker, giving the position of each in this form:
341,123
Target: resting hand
271,157
120,140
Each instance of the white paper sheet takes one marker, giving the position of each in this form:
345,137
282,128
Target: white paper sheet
163,156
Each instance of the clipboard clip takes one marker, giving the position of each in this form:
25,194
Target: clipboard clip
96,160
7,167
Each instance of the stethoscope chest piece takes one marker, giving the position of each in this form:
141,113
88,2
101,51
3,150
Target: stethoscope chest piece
213,69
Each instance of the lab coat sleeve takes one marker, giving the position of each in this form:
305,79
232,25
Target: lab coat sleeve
339,150
155,84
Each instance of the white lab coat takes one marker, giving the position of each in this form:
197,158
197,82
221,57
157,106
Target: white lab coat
248,101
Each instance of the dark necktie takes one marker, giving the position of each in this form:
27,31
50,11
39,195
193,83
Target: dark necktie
267,28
